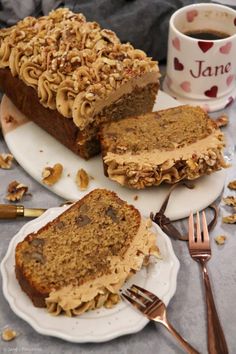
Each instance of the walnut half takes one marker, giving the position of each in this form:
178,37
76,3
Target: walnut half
16,191
51,175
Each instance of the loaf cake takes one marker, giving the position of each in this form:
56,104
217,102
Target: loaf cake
80,260
165,146
69,75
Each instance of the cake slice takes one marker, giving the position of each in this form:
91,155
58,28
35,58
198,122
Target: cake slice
166,146
81,259
70,75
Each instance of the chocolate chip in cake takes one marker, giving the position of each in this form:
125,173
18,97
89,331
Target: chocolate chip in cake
83,220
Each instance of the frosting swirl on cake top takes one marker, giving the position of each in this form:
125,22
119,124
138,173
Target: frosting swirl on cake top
73,64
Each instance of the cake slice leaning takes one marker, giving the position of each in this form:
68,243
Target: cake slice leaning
165,146
81,259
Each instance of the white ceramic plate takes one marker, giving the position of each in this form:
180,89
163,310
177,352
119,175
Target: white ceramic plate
99,325
34,149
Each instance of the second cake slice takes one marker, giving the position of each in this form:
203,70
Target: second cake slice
165,146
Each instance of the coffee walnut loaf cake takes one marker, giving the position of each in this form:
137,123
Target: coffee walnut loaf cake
69,75
166,146
81,259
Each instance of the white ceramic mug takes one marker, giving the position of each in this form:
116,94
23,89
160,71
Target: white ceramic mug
202,71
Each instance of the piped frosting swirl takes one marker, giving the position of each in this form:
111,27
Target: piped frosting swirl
73,64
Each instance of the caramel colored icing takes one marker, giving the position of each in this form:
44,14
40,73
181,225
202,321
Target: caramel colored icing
103,290
75,66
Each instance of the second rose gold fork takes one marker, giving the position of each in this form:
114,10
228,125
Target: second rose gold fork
200,251
154,309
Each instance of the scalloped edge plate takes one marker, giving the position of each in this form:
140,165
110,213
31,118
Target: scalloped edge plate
99,325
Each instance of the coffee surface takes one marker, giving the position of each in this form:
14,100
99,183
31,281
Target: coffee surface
209,35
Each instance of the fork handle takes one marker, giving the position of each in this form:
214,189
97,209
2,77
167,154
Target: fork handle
216,339
188,348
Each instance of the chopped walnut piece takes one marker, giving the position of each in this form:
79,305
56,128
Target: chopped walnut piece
232,185
16,191
51,175
229,219
222,120
82,179
8,334
6,161
220,240
230,200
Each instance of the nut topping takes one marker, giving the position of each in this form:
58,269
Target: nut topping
6,161
230,200
222,120
232,185
51,175
16,191
82,179
8,334
220,240
229,219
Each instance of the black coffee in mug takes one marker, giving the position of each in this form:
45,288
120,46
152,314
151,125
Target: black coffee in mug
209,35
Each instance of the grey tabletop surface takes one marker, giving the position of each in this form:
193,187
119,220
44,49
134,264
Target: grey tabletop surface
186,310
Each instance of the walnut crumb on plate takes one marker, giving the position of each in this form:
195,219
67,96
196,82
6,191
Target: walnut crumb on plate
8,334
16,191
51,175
6,161
220,240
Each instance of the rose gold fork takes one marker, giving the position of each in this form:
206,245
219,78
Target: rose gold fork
200,251
154,308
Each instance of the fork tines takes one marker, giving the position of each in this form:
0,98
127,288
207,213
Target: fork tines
139,297
200,237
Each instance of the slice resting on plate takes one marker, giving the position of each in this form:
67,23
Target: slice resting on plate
165,146
81,259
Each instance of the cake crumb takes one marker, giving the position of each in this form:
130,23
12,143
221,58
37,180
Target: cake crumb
136,197
220,240
16,191
229,219
230,200
8,334
222,120
40,150
51,175
232,185
6,161
82,179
